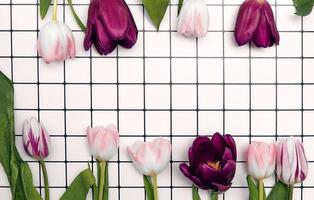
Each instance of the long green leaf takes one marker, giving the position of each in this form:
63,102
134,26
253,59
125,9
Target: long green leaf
195,194
77,19
44,6
80,186
29,191
156,10
148,187
253,190
279,192
180,6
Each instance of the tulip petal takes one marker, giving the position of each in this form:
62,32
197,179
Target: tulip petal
103,43
218,145
263,36
220,187
226,156
231,144
268,12
184,168
202,152
130,36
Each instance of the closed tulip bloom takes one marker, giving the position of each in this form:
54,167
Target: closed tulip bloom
261,160
109,23
35,139
103,142
55,42
150,158
193,19
292,166
255,22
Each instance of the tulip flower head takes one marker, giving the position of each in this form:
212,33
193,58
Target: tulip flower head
109,23
55,42
35,139
193,18
150,158
103,141
255,22
212,162
261,160
292,166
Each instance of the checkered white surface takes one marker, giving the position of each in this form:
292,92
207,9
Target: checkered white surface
167,85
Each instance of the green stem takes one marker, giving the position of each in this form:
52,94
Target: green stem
55,8
43,166
214,195
290,192
260,190
102,179
155,187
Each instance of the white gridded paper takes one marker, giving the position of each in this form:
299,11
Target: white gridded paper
167,85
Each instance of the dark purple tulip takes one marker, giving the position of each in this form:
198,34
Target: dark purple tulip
212,162
109,23
256,22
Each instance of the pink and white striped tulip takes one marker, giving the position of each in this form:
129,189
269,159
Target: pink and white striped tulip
35,139
292,166
55,42
103,141
261,160
150,158
193,18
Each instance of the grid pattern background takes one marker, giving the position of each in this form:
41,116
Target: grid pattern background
167,85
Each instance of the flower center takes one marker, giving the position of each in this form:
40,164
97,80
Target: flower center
214,165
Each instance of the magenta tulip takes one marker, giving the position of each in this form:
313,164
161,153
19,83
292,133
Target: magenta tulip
255,22
109,23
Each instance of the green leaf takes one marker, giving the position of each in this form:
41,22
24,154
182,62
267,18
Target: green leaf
148,187
279,192
29,191
44,6
303,7
195,194
80,186
253,190
156,10
77,19
180,6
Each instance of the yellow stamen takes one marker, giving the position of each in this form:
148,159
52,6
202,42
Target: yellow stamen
214,165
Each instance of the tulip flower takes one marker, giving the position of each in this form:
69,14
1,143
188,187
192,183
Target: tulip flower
212,163
150,158
109,23
292,166
36,144
103,143
55,40
261,163
193,18
256,22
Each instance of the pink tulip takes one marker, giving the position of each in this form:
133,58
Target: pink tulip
261,160
292,166
103,141
55,42
150,158
35,139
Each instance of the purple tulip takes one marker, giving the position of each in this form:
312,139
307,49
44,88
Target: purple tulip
212,162
35,139
109,23
256,22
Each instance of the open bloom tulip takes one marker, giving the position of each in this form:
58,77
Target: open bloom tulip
35,139
212,162
256,22
261,160
193,18
109,23
55,42
292,166
103,141
150,158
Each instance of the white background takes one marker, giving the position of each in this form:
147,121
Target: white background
166,85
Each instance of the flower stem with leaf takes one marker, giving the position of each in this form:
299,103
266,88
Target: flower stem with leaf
43,166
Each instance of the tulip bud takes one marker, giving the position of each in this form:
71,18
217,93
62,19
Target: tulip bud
292,166
35,139
150,158
256,22
193,18
103,141
55,42
261,160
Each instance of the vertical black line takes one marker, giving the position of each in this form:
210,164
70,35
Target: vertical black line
170,84
302,91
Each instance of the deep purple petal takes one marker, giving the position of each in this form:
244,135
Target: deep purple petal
263,36
201,151
88,40
207,174
218,145
103,43
226,156
232,145
221,187
130,36
227,173
268,12
184,168
247,21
